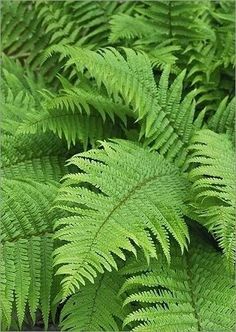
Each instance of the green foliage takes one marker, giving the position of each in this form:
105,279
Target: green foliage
96,306
166,120
214,178
158,20
195,35
223,120
26,248
43,23
183,296
117,164
132,204
63,115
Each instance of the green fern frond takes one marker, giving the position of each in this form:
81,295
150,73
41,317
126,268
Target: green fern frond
203,73
210,65
213,177
144,36
139,194
27,245
84,101
223,120
161,20
70,125
25,111
17,37
47,23
19,94
40,157
202,30
95,307
81,23
166,121
162,55
16,77
124,26
193,293
77,115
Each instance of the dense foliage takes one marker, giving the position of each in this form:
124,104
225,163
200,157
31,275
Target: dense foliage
118,165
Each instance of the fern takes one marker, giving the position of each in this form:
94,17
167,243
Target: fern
47,23
132,203
27,245
61,114
95,307
161,20
205,72
223,120
20,159
71,126
202,31
17,38
213,178
187,295
19,94
30,165
64,115
117,164
167,122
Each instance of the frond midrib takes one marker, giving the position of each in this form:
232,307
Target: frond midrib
122,201
193,302
41,120
94,301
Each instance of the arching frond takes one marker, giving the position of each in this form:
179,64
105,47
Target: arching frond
71,126
139,194
95,307
193,293
26,248
159,20
205,67
166,121
213,177
40,157
203,31
124,26
85,100
20,94
223,120
77,115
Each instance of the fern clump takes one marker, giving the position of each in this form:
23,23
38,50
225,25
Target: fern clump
118,166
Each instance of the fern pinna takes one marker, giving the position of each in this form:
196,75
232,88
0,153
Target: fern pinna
118,177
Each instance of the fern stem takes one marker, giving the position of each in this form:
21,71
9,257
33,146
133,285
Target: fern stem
94,300
130,193
193,302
